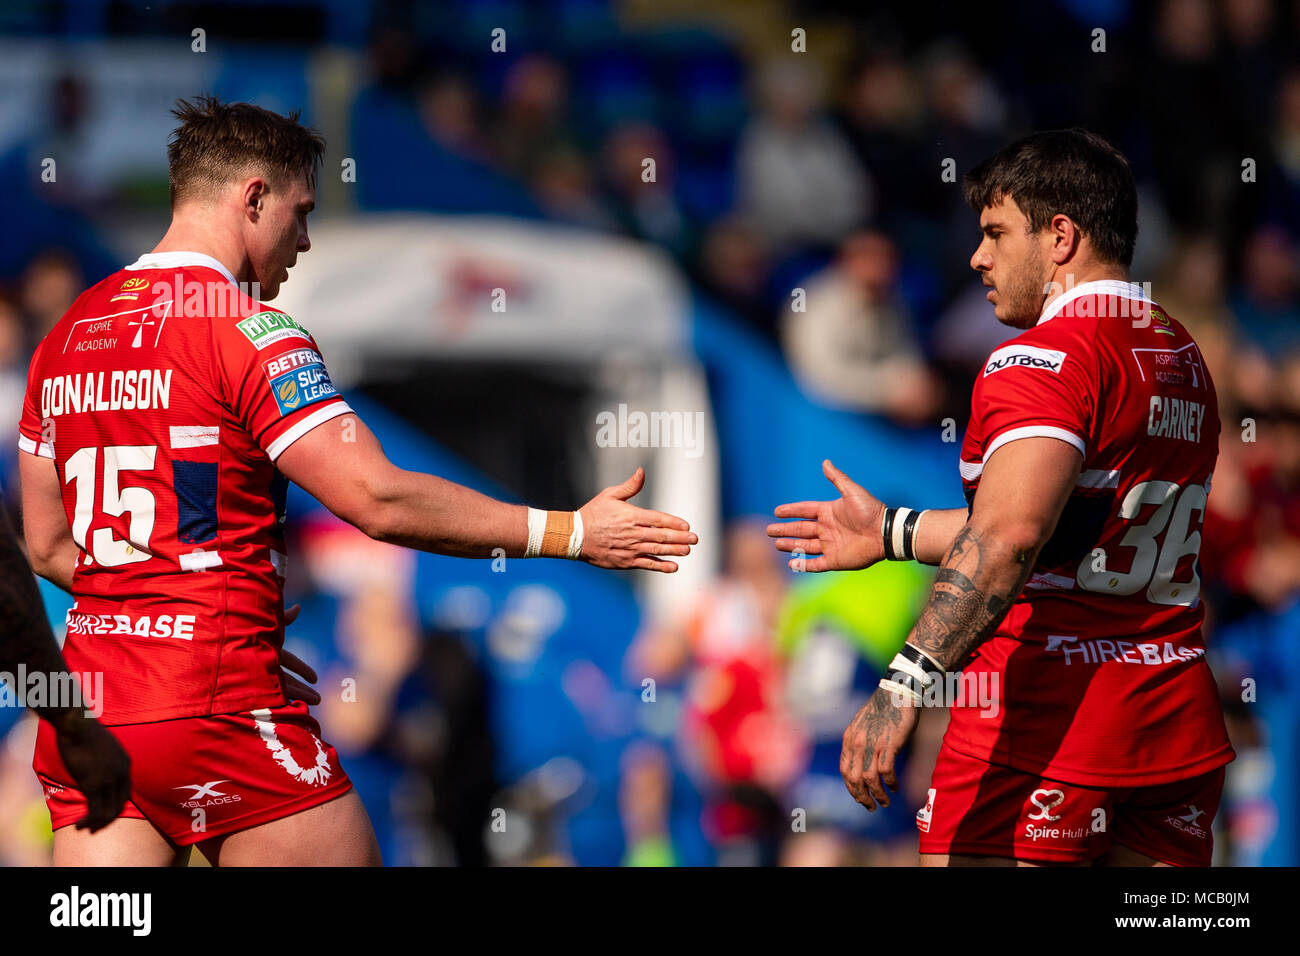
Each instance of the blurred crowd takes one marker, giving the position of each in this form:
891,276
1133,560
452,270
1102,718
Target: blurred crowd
815,196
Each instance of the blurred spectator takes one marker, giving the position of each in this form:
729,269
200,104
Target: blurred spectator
1192,288
644,794
449,109
50,284
13,383
1252,529
641,191
733,267
852,345
531,119
1196,138
798,176
563,187
741,745
838,633
1266,303
883,111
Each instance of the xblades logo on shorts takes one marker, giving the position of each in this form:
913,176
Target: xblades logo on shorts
216,797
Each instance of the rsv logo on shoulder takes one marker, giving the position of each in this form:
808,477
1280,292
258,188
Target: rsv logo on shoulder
1024,356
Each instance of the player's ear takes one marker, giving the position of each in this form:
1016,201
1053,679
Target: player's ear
1065,238
254,196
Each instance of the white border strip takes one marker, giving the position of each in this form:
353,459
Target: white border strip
44,449
332,410
178,260
1036,431
1124,290
200,560
1098,478
194,436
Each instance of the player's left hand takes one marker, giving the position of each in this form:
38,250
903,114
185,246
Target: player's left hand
871,743
291,665
618,534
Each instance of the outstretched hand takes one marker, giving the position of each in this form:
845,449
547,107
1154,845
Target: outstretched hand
618,534
841,535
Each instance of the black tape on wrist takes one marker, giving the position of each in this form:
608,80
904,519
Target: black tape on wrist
922,660
888,532
909,532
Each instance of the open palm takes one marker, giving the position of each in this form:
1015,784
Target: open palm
840,535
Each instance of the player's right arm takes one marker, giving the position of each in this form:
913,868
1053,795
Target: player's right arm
354,479
845,535
271,374
45,524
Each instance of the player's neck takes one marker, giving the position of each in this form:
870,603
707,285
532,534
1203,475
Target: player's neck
183,235
1066,278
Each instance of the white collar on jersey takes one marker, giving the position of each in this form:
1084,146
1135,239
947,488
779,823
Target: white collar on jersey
1125,290
177,260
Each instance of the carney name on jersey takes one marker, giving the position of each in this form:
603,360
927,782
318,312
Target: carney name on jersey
1100,663
164,397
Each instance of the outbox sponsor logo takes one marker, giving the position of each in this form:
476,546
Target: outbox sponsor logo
77,909
1024,356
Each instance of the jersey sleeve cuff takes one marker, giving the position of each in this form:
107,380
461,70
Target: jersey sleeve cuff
1036,431
303,426
43,449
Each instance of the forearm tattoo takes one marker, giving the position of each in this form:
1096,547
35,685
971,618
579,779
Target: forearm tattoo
977,583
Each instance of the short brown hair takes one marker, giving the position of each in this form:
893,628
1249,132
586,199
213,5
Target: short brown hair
1073,172
218,142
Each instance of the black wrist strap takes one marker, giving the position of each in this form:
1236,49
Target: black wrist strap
922,660
909,530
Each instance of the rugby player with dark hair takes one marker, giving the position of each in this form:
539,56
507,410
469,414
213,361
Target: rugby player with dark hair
1069,588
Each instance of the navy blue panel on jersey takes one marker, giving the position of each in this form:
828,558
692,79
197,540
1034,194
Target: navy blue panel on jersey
196,500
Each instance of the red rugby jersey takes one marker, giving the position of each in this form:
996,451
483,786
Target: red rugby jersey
164,396
1100,663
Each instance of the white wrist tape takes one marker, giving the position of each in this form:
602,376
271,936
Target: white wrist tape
536,528
910,668
575,539
897,537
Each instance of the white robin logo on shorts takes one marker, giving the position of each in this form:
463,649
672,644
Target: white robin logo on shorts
317,776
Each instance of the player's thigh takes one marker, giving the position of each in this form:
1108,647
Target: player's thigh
1168,824
983,814
335,833
127,841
